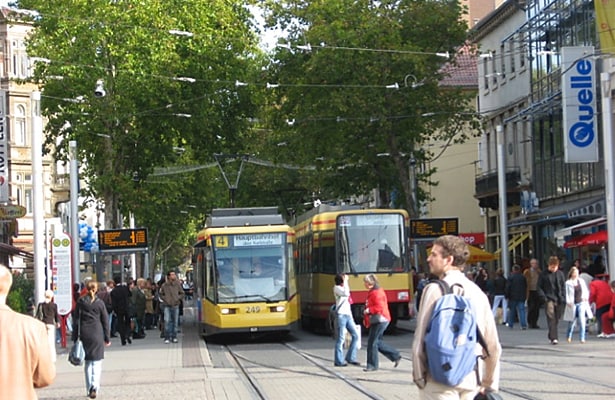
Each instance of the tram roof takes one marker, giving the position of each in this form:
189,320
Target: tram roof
252,216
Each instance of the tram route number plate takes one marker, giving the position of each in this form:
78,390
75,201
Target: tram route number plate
253,309
431,228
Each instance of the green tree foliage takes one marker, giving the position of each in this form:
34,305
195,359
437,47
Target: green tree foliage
21,294
333,108
168,69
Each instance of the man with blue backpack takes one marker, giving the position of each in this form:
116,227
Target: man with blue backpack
456,349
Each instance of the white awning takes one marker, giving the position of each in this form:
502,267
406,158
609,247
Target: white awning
567,231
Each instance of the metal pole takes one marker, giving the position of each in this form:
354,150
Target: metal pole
74,207
609,165
415,207
133,256
503,209
38,194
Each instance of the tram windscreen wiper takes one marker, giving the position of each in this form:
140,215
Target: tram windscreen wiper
267,299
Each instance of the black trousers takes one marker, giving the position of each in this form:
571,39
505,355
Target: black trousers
123,325
533,308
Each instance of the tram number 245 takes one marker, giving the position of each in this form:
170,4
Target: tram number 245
253,309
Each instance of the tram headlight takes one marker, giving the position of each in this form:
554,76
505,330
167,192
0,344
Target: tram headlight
278,309
227,311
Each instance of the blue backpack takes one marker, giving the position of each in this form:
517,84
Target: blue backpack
451,337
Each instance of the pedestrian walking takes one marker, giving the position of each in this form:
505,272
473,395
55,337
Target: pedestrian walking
345,322
47,312
534,301
120,299
577,304
499,295
91,325
551,289
171,294
447,259
377,318
25,355
516,292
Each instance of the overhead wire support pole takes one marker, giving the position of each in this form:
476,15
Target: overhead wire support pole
609,160
503,208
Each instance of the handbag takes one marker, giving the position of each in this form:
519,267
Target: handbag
76,356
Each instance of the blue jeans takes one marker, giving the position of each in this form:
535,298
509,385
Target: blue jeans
92,369
171,314
578,315
516,306
375,344
345,322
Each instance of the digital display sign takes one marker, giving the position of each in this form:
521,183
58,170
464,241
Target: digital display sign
432,228
122,239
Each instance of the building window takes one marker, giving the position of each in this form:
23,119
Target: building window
23,191
20,126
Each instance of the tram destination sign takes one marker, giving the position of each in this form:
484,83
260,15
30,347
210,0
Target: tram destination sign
122,239
431,228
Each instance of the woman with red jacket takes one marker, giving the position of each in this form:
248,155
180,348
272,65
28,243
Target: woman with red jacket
609,317
377,319
600,293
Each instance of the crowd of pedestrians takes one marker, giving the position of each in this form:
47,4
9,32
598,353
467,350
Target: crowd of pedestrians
581,297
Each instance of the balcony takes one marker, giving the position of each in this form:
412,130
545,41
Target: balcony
486,188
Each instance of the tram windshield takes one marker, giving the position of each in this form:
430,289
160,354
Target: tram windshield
370,243
250,267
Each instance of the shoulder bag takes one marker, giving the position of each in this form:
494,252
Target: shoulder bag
76,356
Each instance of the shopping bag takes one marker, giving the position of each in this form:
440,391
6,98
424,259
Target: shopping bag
76,356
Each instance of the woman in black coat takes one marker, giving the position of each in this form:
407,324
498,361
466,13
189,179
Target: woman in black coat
91,313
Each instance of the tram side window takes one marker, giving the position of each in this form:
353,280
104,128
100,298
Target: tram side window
327,253
210,288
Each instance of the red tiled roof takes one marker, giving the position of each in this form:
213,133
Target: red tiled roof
463,71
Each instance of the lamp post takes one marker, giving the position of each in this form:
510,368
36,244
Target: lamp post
609,158
503,199
38,194
74,197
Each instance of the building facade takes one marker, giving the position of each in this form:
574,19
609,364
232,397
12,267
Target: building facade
17,235
520,90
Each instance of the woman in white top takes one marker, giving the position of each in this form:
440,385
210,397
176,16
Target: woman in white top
345,321
577,304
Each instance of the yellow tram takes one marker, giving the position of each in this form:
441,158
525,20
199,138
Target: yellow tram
244,273
354,241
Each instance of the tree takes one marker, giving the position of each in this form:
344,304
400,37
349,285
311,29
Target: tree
166,72
357,81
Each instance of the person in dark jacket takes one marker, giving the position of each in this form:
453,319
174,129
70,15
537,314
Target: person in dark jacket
120,300
91,324
516,293
551,289
47,311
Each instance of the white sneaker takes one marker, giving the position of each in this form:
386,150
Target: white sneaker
602,335
174,340
610,335
166,341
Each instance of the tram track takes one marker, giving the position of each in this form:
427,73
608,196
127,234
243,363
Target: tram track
243,365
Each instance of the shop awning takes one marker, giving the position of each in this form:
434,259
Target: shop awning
593,207
573,242
596,238
567,231
592,239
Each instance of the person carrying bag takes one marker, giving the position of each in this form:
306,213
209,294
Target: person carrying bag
76,356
